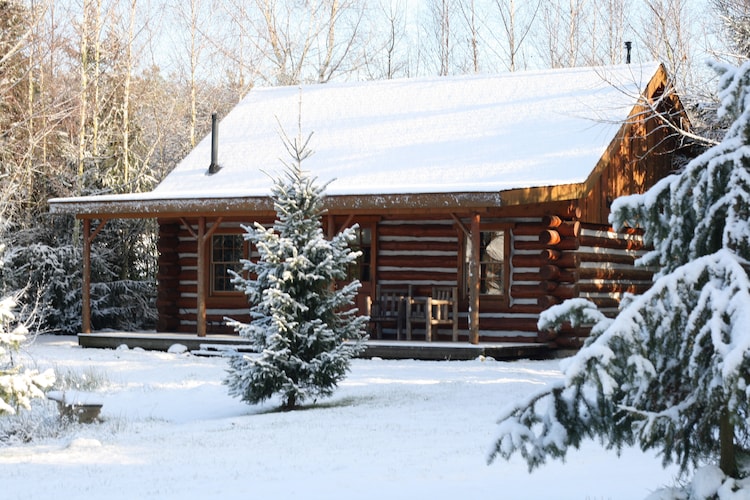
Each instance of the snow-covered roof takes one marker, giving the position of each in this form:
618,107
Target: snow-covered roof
465,134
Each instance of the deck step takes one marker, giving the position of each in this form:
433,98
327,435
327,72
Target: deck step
221,350
222,345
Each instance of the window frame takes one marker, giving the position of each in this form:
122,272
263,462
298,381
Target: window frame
501,298
365,261
212,263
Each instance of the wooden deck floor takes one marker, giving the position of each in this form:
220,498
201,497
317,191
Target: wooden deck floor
433,351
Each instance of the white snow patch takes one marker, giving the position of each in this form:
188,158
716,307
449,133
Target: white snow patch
394,429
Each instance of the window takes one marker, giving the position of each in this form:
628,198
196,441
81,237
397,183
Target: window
226,252
492,262
360,269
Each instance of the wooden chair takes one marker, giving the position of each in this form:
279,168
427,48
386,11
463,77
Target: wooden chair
440,308
387,307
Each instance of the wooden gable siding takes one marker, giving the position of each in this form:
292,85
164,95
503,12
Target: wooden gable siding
640,155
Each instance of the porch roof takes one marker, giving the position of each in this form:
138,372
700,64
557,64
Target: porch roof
481,140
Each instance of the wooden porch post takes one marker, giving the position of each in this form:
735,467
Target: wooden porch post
88,238
202,239
474,280
86,286
201,285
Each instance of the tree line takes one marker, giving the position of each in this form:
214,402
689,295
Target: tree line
105,96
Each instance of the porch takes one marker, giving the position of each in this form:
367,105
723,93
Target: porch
385,349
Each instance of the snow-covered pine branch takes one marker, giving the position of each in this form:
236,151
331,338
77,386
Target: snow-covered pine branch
670,372
303,326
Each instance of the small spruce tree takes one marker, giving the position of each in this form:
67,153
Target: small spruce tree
303,327
18,386
672,371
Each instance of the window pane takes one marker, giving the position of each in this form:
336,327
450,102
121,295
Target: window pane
226,252
491,262
492,258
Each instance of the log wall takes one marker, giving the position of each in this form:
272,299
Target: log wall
552,258
178,300
601,269
422,252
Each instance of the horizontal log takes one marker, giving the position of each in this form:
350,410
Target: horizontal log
608,228
564,244
614,287
417,261
524,309
547,301
560,259
168,297
561,291
167,243
187,246
412,276
605,302
407,246
632,274
548,335
607,257
554,236
552,221
565,291
550,255
548,286
167,287
568,342
569,229
526,260
618,244
167,324
553,272
418,230
218,319
189,275
525,291
167,270
166,302
168,227
530,276
520,324
549,237
238,302
529,228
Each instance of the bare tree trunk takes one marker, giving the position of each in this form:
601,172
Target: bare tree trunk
126,95
194,52
469,14
97,81
439,26
667,36
83,92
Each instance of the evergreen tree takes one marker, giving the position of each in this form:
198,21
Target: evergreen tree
303,328
671,372
18,386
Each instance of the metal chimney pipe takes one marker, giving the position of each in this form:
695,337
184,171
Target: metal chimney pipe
214,167
628,47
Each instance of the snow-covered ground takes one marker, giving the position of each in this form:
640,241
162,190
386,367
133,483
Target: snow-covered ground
393,430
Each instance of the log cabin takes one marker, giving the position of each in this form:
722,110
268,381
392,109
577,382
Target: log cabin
496,185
